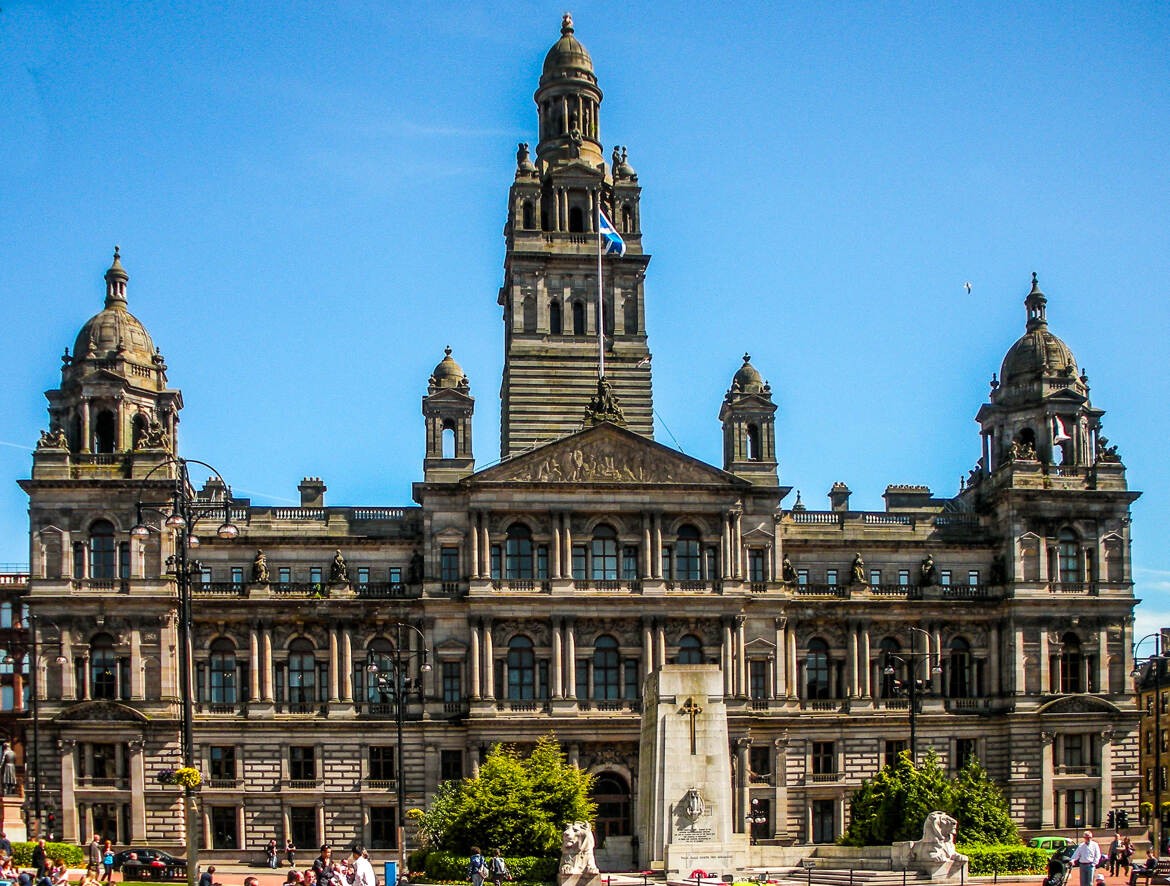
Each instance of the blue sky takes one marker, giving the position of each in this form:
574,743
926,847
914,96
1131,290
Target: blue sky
310,197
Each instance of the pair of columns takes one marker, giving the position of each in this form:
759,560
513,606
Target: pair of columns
1050,812
74,830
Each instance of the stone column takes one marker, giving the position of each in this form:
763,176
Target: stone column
851,680
780,781
485,547
567,561
557,568
137,673
253,665
1046,810
996,683
68,690
1045,664
660,642
656,545
334,697
346,665
570,659
1020,687
936,640
725,546
781,674
1103,660
793,672
647,646
741,667
474,662
86,439
473,759
137,791
65,748
1106,792
86,678
473,542
489,662
742,783
737,541
647,549
1126,650
266,665
725,658
558,670
867,675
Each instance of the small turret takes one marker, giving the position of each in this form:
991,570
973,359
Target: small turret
749,427
447,409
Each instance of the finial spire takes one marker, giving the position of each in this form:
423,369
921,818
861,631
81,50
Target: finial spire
447,350
747,358
116,278
566,24
1035,304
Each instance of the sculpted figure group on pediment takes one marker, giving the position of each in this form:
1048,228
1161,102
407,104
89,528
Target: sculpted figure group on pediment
602,461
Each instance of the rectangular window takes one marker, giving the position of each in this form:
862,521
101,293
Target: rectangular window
383,828
631,690
579,562
760,762
1149,743
449,564
497,561
944,578
757,566
205,575
222,760
223,827
894,746
629,563
824,758
284,574
452,681
315,575
381,763
964,751
542,561
824,828
712,564
802,576
396,575
302,824
124,560
237,575
875,576
582,678
758,677
78,560
105,761
542,687
302,763
903,577
363,575
1075,809
973,577
450,765
668,562
831,577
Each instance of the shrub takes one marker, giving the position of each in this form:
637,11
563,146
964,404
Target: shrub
70,854
442,865
416,861
1005,860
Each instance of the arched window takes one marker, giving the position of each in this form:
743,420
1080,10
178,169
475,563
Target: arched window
103,668
607,668
686,553
521,669
103,432
101,550
627,220
1070,663
753,442
529,214
690,650
612,796
816,670
138,429
576,220
518,552
890,647
1027,437
1068,557
448,440
555,326
578,318
379,654
960,667
604,559
221,666
302,672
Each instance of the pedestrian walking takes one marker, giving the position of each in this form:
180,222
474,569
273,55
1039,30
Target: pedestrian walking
93,860
1086,858
39,860
498,868
107,863
1115,854
477,871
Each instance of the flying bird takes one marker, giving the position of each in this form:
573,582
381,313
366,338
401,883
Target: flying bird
645,361
967,286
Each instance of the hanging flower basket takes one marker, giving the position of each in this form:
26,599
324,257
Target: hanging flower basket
187,777
167,776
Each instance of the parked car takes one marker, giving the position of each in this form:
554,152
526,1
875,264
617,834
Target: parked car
153,857
1049,844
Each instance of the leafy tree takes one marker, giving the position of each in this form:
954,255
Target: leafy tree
893,805
518,803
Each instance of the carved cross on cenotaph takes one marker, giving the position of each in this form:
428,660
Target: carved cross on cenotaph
691,710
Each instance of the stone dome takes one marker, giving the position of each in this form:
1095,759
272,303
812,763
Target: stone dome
114,328
1037,352
448,374
567,53
748,379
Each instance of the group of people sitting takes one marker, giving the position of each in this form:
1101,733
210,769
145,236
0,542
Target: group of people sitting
54,873
355,870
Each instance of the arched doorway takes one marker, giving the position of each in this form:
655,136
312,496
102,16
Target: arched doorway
611,793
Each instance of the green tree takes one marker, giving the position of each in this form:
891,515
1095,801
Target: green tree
893,805
518,803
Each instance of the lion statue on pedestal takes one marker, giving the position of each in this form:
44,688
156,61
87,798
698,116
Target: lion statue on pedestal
938,840
577,844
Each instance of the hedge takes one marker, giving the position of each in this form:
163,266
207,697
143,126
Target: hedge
1005,859
416,860
70,854
527,869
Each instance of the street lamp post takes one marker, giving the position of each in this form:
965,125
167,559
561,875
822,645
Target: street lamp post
397,683
182,513
1156,663
913,688
754,817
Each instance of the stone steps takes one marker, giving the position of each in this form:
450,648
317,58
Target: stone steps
846,877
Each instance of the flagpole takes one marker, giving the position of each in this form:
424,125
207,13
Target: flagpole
600,302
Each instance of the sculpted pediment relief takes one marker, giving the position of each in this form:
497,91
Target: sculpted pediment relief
107,711
1078,704
605,454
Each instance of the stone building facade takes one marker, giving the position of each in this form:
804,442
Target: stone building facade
548,586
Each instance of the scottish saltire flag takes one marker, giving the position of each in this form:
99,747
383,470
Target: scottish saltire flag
611,241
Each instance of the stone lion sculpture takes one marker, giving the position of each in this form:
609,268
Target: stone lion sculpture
938,840
577,849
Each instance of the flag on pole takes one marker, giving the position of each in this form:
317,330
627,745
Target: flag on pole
611,241
1059,434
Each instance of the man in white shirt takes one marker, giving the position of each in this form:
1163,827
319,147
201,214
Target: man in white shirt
1087,857
363,871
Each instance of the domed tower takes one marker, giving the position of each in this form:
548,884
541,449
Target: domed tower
749,427
113,398
1039,409
447,409
549,295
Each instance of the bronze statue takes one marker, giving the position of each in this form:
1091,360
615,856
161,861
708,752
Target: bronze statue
787,570
8,770
998,570
416,568
604,406
260,568
338,571
929,574
858,570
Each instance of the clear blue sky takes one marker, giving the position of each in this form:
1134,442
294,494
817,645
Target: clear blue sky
310,198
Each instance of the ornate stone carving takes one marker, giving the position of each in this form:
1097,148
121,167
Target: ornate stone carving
604,406
938,840
577,844
338,571
54,439
260,567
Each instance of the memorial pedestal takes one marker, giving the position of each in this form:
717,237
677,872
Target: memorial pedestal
12,821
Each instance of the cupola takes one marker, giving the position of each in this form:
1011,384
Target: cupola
447,409
749,427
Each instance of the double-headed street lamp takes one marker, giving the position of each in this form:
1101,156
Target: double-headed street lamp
1157,664
389,676
182,511
913,687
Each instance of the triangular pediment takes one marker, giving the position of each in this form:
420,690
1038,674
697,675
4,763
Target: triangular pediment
1066,394
605,454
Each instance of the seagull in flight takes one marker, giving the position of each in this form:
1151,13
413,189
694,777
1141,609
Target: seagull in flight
645,361
967,286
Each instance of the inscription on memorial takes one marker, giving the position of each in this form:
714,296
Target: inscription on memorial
696,835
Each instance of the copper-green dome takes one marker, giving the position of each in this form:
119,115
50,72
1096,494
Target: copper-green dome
567,53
